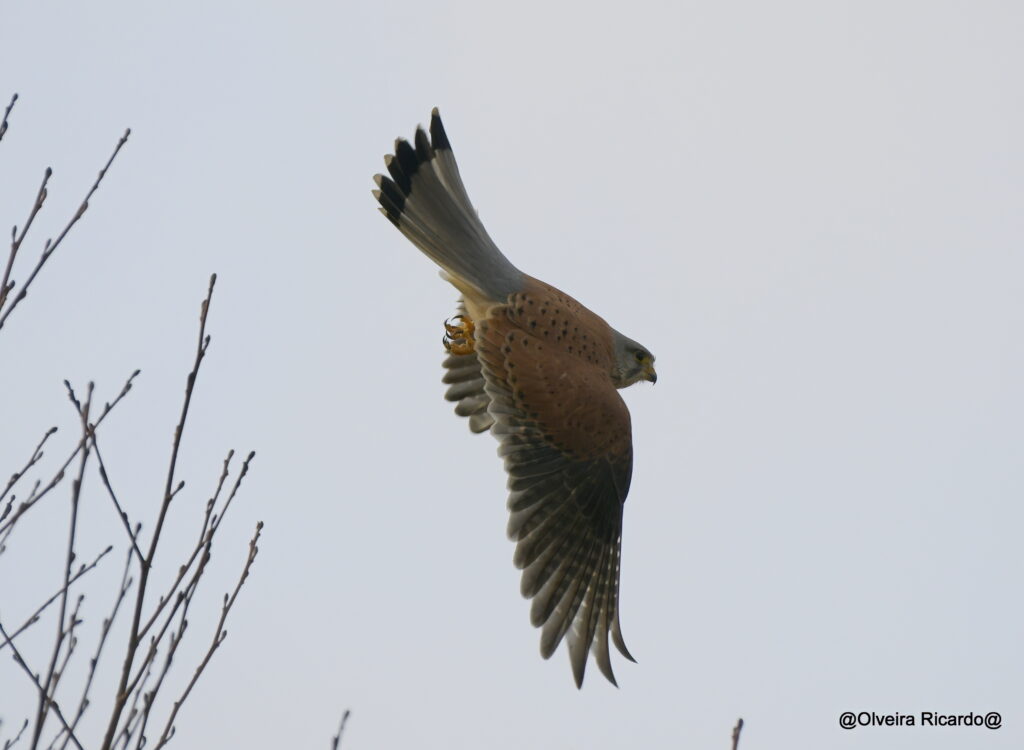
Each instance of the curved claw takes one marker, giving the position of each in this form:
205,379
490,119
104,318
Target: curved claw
458,335
458,330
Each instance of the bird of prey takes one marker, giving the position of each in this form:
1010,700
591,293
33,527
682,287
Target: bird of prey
540,371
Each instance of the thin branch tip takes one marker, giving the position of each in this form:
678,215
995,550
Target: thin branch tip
736,734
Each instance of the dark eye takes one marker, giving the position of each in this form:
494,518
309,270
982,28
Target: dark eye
641,356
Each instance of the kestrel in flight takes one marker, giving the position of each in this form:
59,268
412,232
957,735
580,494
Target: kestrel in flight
541,372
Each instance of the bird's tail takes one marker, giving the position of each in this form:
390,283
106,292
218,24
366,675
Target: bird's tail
426,200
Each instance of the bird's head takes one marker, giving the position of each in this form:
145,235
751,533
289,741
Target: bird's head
633,362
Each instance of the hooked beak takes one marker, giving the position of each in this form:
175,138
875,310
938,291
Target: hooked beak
649,374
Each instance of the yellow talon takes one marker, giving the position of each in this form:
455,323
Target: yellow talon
458,335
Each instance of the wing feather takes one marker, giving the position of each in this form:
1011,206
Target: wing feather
567,483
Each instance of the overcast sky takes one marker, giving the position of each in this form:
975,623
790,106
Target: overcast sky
810,212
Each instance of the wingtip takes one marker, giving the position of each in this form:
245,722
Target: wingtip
603,658
438,137
406,156
620,644
617,639
579,666
424,151
378,179
390,217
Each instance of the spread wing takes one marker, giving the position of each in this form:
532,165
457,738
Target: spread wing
564,433
465,384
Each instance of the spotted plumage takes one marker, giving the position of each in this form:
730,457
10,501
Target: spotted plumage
540,371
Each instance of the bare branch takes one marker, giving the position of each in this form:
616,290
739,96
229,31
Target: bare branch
3,123
51,245
218,638
20,661
17,238
174,640
135,634
36,495
8,744
736,734
104,476
69,635
336,739
157,628
182,599
52,677
37,454
190,382
63,589
211,522
83,703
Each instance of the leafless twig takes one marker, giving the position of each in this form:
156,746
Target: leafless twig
736,734
8,744
164,627
121,514
135,636
7,112
83,702
336,739
64,630
157,628
37,454
7,526
218,638
17,238
63,589
20,661
7,303
211,522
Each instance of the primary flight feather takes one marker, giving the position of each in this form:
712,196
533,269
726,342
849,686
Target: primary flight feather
541,372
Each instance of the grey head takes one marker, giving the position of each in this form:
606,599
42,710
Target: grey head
633,362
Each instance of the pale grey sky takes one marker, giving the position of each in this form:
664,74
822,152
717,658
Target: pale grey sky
810,212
